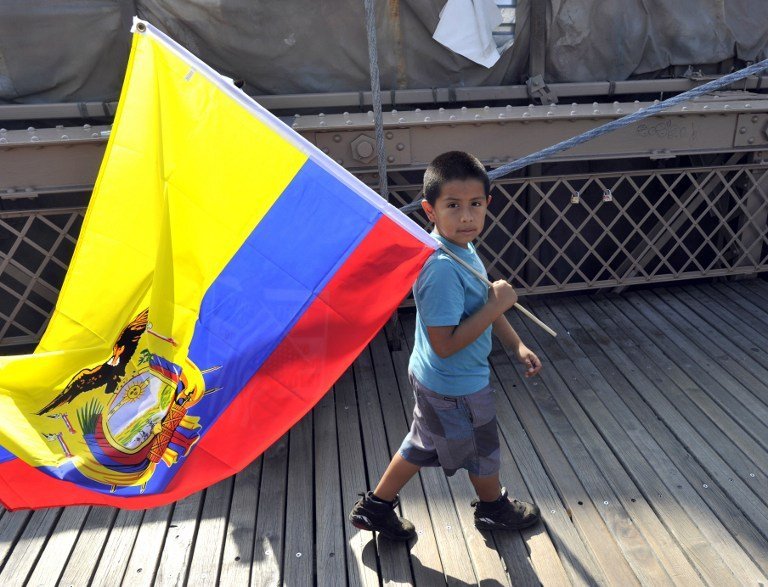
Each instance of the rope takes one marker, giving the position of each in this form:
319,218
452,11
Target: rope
616,124
373,62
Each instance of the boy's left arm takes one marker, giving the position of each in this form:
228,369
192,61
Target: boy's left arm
510,339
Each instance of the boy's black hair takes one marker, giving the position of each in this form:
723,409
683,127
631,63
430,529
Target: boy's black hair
450,166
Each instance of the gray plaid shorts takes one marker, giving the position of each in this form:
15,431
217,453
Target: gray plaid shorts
453,432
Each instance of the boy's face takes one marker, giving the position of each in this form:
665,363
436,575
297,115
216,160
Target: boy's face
459,210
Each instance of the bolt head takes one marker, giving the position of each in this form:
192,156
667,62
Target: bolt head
363,148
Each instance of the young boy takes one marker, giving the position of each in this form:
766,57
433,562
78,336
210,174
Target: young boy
454,419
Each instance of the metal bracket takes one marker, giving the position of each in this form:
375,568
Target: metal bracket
539,90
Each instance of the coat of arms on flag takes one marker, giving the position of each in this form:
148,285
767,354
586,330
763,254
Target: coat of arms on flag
226,274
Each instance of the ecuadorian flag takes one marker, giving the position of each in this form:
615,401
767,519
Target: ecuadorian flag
227,273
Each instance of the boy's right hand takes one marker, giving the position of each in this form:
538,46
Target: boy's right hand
503,294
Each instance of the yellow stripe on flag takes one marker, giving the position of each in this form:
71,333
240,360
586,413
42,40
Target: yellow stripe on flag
181,148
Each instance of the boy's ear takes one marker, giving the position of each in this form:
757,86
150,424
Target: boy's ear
428,210
488,200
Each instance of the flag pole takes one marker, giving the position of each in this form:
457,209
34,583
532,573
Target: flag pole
485,280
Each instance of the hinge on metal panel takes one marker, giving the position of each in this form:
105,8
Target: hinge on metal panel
539,90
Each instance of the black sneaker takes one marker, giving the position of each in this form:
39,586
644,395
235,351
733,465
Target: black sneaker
504,513
377,515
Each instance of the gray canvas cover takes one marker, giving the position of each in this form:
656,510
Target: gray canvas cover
76,50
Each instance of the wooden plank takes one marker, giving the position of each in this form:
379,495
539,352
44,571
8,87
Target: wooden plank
630,520
12,525
393,556
329,536
241,527
744,330
436,538
645,491
362,564
542,564
117,551
270,520
299,559
59,546
179,541
728,326
89,546
27,550
616,357
575,498
746,298
741,403
148,546
205,565
679,331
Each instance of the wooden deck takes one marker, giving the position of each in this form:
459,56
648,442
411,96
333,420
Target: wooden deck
644,441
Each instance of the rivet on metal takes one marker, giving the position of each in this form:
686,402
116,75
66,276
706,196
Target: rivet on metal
32,128
321,114
400,146
298,555
751,474
391,159
684,108
605,502
427,119
553,511
389,135
401,119
322,123
486,108
346,114
417,110
3,140
348,122
35,138
526,114
501,115
706,107
619,111
477,117
297,115
441,109
747,105
754,119
530,106
705,486
573,112
294,125
451,117
508,106
336,138
727,107
463,108
596,111
394,111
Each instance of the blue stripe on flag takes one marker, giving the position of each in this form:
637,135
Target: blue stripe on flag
285,263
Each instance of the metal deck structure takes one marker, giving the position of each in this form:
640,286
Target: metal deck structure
644,441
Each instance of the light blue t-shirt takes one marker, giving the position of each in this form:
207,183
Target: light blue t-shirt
446,293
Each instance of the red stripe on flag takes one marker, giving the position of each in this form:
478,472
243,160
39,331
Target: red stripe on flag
347,314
